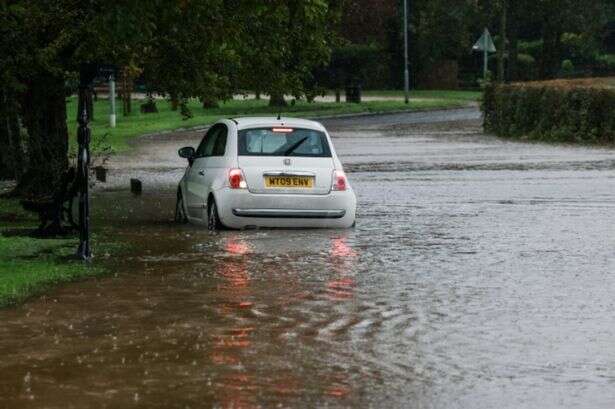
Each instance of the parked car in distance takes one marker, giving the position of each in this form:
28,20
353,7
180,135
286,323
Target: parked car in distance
265,172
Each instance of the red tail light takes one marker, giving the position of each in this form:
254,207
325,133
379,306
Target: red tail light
236,179
339,180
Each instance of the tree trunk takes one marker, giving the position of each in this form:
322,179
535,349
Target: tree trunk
257,95
126,92
551,50
209,102
513,48
43,110
12,155
338,95
277,100
502,45
174,103
6,160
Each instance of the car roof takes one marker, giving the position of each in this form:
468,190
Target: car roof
263,121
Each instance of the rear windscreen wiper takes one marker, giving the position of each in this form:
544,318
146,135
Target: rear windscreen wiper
294,146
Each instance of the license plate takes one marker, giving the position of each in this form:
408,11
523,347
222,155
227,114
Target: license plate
301,182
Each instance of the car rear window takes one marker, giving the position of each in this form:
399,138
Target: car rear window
283,141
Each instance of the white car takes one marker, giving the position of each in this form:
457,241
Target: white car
265,172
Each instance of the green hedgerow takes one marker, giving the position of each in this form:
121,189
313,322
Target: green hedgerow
558,111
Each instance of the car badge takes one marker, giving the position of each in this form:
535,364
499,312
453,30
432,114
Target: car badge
287,162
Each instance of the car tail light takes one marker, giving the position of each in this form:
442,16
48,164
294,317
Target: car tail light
236,179
339,180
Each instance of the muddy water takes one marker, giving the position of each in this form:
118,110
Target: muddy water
480,275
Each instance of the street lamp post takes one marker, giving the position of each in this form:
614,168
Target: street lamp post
88,73
112,100
406,72
83,161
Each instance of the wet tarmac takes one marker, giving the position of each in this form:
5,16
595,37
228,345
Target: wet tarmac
480,275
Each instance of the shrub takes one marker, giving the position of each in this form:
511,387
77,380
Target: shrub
527,68
558,111
579,48
567,70
531,48
605,64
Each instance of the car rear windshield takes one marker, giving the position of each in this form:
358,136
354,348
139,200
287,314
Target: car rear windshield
283,141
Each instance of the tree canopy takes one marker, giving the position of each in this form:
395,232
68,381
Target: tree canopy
184,48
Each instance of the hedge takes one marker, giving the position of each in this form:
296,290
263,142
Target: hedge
558,111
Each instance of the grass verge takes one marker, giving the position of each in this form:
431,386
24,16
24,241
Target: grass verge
138,124
29,266
426,94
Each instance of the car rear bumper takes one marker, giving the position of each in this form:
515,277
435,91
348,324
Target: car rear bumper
290,213
240,209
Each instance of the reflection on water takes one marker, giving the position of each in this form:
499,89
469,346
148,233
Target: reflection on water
341,260
244,272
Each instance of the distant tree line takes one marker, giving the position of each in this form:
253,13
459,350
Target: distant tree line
536,39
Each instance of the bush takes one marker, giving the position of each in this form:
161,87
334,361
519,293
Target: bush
579,48
605,64
558,111
527,68
531,48
567,70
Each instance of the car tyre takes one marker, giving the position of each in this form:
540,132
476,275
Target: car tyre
180,213
213,220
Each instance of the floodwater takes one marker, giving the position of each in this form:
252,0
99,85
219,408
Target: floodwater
480,275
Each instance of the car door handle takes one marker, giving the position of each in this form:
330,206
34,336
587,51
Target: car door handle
202,172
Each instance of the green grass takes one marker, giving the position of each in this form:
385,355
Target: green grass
437,95
29,266
138,124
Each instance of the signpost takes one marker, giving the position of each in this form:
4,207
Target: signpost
486,45
406,72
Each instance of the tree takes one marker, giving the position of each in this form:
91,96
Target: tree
192,53
44,43
282,42
440,30
11,152
37,48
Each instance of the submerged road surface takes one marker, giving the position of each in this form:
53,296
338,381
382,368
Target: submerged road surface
480,275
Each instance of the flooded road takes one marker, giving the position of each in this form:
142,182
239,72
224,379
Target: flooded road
480,275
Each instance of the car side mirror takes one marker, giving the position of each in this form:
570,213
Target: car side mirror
187,152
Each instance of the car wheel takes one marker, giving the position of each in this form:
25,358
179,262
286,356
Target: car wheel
213,221
180,213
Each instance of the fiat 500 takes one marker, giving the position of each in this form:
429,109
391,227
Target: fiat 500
265,172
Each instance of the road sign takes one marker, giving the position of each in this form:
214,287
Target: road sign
485,44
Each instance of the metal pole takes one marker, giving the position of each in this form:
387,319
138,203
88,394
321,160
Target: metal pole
112,100
83,161
485,55
406,72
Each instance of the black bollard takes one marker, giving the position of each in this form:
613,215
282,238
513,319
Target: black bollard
101,174
136,186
